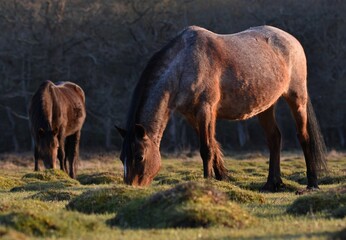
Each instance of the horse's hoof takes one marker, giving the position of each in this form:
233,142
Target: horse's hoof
307,190
224,178
313,188
273,187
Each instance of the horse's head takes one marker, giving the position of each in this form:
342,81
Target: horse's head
140,156
47,145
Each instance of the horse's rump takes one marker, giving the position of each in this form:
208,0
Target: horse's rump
57,106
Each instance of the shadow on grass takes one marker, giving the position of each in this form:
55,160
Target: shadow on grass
100,178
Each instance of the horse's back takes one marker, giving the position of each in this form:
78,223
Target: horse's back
243,73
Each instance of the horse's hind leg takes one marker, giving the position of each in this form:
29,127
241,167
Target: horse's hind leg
273,135
307,138
73,153
209,148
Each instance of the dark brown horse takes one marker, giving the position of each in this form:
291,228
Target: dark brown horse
57,114
206,76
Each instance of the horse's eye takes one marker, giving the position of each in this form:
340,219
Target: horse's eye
139,158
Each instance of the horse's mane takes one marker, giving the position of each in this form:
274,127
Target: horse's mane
144,82
38,114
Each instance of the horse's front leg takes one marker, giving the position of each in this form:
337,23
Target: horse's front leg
209,148
73,153
206,131
273,135
37,168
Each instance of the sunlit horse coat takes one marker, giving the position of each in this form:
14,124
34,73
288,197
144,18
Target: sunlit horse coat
206,76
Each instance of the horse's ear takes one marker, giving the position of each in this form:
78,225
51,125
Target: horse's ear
140,131
121,131
40,131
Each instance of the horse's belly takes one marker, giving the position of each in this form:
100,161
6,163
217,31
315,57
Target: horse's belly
242,104
241,110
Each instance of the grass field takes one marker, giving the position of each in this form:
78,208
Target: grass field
179,204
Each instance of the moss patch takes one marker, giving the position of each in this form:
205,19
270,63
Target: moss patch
186,205
100,178
54,195
106,200
46,180
237,194
330,202
6,183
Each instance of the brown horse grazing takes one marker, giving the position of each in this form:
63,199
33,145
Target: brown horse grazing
57,114
206,76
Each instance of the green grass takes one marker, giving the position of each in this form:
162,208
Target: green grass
179,204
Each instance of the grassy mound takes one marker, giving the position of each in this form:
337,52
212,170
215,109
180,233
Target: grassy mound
8,206
100,178
36,218
42,186
29,217
46,180
330,202
106,200
6,183
53,195
186,205
32,223
49,175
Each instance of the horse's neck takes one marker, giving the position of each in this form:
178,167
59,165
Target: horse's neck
154,113
51,108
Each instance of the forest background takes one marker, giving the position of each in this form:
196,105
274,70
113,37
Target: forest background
103,45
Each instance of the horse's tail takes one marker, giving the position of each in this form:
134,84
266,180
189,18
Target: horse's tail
316,142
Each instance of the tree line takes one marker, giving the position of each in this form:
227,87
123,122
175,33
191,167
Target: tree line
103,46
